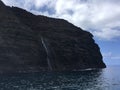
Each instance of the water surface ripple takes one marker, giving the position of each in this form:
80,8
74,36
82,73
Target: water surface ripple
106,79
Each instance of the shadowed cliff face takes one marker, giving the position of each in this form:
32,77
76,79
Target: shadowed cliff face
38,43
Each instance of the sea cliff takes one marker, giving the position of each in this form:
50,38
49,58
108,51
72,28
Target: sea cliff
33,43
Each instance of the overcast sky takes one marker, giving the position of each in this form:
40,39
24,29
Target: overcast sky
100,17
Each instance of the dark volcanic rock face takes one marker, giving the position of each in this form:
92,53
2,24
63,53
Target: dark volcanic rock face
38,43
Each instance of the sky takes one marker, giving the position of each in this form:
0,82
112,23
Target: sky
100,17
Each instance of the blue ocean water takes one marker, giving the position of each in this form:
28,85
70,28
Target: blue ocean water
105,79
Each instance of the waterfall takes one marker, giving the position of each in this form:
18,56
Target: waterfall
47,52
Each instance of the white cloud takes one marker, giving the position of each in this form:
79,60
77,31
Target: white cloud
101,17
108,54
107,33
19,3
111,56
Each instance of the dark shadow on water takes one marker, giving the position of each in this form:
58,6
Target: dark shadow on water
81,80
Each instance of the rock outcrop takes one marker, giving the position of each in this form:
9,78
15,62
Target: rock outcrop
37,43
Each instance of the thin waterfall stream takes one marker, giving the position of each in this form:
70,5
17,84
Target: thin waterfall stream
47,52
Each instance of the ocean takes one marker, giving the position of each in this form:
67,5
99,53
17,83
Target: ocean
104,79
